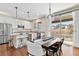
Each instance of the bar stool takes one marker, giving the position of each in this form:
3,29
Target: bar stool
35,49
10,42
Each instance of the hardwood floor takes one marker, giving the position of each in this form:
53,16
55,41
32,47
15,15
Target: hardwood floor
70,51
12,51
76,52
67,51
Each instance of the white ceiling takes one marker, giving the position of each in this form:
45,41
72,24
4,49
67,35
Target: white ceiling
36,9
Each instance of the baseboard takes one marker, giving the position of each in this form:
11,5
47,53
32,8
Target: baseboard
3,43
68,43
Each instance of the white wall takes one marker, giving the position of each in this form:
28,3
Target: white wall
28,25
76,28
15,22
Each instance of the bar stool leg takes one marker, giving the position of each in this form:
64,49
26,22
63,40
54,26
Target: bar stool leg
7,46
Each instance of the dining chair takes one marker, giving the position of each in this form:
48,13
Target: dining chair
61,42
34,49
56,48
10,42
17,43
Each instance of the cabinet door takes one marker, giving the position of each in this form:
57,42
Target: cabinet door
1,29
1,33
1,39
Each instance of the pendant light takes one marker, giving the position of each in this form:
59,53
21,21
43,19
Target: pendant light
28,14
16,11
49,21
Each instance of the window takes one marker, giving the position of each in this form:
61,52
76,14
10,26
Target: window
64,27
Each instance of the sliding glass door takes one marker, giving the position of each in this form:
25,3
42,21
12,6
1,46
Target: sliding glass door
62,25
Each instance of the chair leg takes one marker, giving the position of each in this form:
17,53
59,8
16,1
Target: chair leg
53,53
28,54
7,46
56,53
61,53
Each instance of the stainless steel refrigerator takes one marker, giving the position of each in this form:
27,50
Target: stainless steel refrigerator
5,31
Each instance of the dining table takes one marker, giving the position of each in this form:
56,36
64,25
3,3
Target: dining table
47,42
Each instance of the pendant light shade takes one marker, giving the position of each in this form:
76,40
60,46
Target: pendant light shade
16,11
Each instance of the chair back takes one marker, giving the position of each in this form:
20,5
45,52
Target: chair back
58,44
34,49
57,47
61,42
